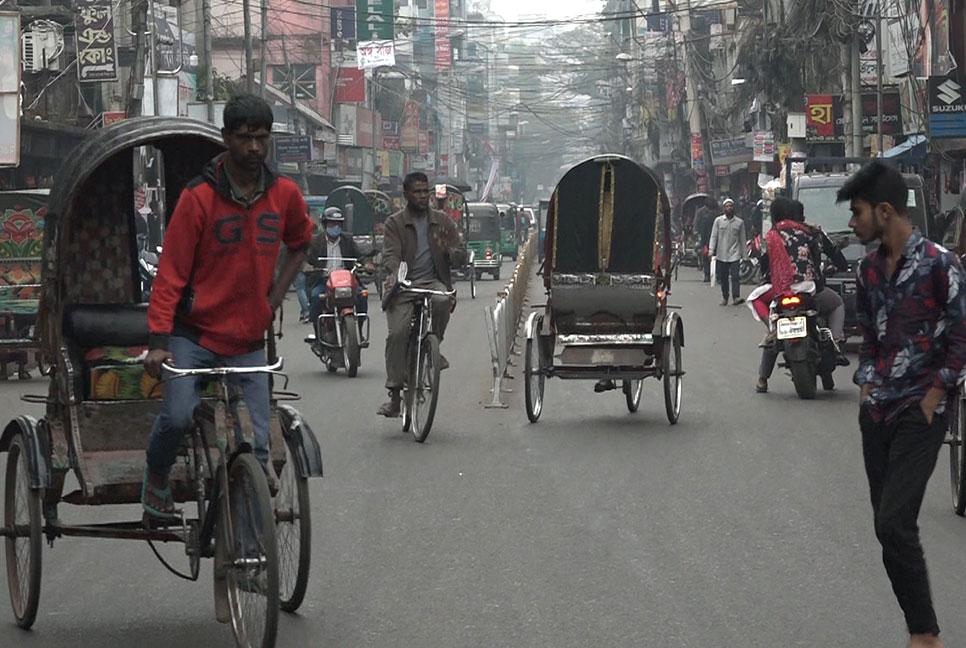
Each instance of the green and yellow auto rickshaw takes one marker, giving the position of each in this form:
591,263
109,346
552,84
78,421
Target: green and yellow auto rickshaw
484,238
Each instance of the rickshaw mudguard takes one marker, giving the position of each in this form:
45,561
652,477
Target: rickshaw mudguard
301,441
530,328
673,325
38,449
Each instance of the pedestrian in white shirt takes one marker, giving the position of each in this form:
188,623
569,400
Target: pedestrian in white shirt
729,246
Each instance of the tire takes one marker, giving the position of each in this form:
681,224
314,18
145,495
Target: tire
293,533
254,614
533,380
673,380
496,275
803,377
350,345
479,275
957,457
632,394
747,272
21,510
426,392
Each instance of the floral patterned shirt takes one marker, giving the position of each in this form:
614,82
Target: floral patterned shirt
913,327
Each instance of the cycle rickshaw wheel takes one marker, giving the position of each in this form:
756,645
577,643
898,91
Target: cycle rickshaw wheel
673,387
957,457
632,394
252,555
21,514
533,380
293,532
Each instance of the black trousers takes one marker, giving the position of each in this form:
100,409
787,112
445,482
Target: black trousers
899,459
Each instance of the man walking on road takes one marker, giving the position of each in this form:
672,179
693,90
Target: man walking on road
729,245
911,310
427,240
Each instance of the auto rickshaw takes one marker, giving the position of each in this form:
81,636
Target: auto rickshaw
450,199
607,276
509,231
100,406
484,238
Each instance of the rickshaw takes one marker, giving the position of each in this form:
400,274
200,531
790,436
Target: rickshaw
451,200
100,406
542,208
360,218
509,231
382,208
606,272
691,244
483,238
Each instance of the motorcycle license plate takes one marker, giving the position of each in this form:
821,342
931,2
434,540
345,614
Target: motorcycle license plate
791,328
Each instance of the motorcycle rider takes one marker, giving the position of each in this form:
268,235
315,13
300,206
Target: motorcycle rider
792,263
328,250
427,240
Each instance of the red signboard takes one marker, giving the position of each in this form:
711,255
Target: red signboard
350,85
391,143
423,142
820,112
108,118
443,56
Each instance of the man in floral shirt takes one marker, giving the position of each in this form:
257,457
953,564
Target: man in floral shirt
911,308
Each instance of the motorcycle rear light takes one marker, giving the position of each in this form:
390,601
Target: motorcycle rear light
791,301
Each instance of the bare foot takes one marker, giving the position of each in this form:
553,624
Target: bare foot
924,641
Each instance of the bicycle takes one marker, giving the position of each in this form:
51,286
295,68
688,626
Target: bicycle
421,390
235,511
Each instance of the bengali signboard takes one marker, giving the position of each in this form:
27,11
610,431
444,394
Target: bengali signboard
730,151
373,54
391,142
374,20
293,148
825,118
109,118
764,146
342,24
96,50
423,142
443,54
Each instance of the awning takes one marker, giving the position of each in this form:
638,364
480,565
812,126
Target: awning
910,151
303,110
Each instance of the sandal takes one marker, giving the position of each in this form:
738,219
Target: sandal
168,512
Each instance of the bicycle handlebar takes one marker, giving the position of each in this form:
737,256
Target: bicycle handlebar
223,371
427,291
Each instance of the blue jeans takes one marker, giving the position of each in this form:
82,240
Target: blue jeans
302,294
181,396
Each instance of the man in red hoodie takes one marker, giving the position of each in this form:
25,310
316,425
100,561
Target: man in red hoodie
213,298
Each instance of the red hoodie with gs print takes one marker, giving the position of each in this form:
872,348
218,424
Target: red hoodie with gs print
218,262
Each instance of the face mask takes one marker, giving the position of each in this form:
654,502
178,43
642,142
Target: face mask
333,230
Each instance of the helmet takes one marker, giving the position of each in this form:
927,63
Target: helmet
333,214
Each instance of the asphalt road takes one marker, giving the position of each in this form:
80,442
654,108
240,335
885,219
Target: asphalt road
747,524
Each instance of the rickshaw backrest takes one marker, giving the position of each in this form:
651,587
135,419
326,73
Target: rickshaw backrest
94,325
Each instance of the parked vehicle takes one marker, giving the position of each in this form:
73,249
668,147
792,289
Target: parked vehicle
750,268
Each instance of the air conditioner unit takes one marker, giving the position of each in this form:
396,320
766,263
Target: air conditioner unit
42,45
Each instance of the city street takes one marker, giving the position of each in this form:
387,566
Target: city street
748,524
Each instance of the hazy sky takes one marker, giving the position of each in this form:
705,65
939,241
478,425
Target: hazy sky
512,9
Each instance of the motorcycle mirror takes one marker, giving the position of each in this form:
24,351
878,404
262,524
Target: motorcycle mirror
403,271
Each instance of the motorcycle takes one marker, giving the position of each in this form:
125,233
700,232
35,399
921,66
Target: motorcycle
749,272
805,342
341,331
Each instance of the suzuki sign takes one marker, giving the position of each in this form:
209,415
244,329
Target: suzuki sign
947,107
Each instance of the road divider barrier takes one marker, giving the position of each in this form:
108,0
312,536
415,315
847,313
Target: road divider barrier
503,319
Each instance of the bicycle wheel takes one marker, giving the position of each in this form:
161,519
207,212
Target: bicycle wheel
426,392
252,554
632,394
21,512
957,457
293,531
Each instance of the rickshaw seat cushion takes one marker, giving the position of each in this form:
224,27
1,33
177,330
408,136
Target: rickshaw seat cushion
96,325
